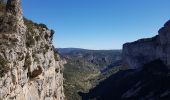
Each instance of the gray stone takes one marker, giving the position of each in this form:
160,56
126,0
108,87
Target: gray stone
140,52
30,69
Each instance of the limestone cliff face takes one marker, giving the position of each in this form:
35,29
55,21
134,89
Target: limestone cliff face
140,52
29,68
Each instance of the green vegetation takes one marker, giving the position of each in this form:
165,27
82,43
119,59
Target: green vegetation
83,70
27,61
2,10
42,26
56,56
52,34
32,25
37,38
47,47
152,79
30,40
4,66
76,79
2,7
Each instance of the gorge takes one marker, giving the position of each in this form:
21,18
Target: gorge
146,73
31,68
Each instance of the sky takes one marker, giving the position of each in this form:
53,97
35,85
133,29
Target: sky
98,24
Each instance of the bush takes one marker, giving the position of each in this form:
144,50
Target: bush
30,41
43,25
46,48
56,56
2,8
37,38
27,61
52,34
30,24
4,66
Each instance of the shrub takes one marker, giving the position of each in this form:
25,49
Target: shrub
27,61
4,66
2,7
56,57
46,48
57,70
43,25
30,41
46,36
37,38
30,24
52,34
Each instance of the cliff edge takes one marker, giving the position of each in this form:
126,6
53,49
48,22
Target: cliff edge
29,67
143,51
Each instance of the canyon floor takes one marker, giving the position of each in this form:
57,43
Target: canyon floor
86,68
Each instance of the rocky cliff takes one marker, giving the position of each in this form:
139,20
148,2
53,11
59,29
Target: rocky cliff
29,67
143,51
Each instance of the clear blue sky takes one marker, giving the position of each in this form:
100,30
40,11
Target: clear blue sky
98,24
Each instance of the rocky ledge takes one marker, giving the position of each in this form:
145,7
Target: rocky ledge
29,67
143,51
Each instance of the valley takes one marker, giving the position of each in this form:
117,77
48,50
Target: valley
86,68
36,64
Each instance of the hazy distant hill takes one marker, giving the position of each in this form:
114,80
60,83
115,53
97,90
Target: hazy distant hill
101,59
68,50
86,68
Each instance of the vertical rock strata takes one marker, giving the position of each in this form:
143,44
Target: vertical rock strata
143,51
29,69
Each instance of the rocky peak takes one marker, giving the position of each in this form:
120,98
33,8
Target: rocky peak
13,18
14,8
143,51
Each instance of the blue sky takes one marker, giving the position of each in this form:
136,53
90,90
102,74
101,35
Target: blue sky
98,24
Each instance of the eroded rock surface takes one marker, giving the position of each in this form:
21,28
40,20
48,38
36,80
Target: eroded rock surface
27,60
143,51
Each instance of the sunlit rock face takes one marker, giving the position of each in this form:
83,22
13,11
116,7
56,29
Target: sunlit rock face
29,69
140,52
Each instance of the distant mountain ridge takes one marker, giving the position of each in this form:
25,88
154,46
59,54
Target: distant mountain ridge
101,58
67,50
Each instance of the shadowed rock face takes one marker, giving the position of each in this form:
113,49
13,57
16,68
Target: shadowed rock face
137,53
27,62
151,82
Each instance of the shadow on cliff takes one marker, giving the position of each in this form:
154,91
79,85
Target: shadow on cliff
149,82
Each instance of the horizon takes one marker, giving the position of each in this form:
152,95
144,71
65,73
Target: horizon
89,49
98,24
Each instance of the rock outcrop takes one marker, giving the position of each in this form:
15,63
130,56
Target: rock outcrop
29,67
143,51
